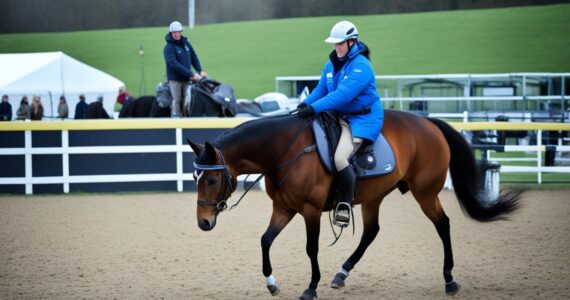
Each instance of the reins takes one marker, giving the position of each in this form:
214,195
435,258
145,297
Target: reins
304,151
221,203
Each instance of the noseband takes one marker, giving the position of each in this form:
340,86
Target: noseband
220,202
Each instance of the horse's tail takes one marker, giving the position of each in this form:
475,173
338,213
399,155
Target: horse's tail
466,179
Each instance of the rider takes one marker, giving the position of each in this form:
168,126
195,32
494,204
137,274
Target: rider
180,57
348,86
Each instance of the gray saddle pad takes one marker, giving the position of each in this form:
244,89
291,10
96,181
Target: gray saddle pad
372,160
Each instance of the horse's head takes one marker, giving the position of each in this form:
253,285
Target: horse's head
214,183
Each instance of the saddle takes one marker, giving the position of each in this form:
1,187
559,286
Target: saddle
371,159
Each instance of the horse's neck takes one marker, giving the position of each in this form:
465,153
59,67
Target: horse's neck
246,158
256,147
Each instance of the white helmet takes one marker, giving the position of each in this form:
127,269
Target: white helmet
175,26
342,31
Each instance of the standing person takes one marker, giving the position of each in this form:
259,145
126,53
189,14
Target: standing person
121,98
23,111
62,108
5,109
37,110
347,86
180,57
80,108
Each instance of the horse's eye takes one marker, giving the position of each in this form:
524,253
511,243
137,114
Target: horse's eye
212,181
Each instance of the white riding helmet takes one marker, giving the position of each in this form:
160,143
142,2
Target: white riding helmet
342,31
175,26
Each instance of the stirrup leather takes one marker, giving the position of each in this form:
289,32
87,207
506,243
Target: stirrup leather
342,214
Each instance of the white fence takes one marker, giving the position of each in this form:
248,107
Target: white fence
180,147
538,148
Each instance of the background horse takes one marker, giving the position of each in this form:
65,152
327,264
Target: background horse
280,148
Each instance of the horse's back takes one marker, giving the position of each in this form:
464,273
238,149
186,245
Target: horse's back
417,143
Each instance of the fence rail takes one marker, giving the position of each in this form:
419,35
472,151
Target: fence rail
515,91
178,148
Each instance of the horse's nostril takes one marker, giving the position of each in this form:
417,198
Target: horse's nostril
204,224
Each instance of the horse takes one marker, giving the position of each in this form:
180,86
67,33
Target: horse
279,148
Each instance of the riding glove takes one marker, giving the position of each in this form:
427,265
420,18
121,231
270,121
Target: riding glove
301,105
306,112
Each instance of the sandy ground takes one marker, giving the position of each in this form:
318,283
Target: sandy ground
148,246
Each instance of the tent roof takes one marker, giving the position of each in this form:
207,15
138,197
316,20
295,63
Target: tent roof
53,72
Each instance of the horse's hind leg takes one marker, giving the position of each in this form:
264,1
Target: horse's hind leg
279,219
371,228
434,211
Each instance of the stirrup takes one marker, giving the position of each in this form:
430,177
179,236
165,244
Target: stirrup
342,214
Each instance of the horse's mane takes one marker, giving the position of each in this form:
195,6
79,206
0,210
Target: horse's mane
258,127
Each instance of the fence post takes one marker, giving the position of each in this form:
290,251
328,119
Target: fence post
28,161
179,163
539,155
65,159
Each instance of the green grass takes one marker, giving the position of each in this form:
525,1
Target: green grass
249,55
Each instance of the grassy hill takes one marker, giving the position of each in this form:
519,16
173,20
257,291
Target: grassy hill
249,55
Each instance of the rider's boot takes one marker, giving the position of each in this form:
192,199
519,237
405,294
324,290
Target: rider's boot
343,209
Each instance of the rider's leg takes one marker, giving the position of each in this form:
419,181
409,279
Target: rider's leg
346,147
177,89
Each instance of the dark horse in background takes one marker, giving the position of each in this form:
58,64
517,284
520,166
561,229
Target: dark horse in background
297,183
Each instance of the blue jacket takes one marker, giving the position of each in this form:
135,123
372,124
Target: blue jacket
80,110
5,111
351,89
179,56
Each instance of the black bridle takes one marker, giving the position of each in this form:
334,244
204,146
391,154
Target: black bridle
221,201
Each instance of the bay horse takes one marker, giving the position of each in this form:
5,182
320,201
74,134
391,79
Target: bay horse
280,148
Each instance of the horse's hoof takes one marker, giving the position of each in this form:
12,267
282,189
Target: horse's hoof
338,281
309,294
274,289
451,288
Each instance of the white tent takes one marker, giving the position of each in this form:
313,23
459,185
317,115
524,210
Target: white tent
51,75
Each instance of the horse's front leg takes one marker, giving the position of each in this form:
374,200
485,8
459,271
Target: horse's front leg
370,212
279,219
313,227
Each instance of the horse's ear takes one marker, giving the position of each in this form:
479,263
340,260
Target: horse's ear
210,150
196,147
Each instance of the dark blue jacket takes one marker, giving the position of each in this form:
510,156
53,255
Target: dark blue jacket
350,89
80,110
5,111
179,57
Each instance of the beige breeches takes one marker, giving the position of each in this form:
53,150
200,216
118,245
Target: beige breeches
347,145
177,89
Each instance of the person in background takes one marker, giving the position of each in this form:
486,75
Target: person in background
5,109
180,57
23,111
80,108
95,110
62,108
347,86
37,110
121,98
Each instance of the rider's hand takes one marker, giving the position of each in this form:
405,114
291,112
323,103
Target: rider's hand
203,74
301,105
195,77
306,112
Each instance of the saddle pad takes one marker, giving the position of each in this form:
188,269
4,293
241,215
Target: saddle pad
385,161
